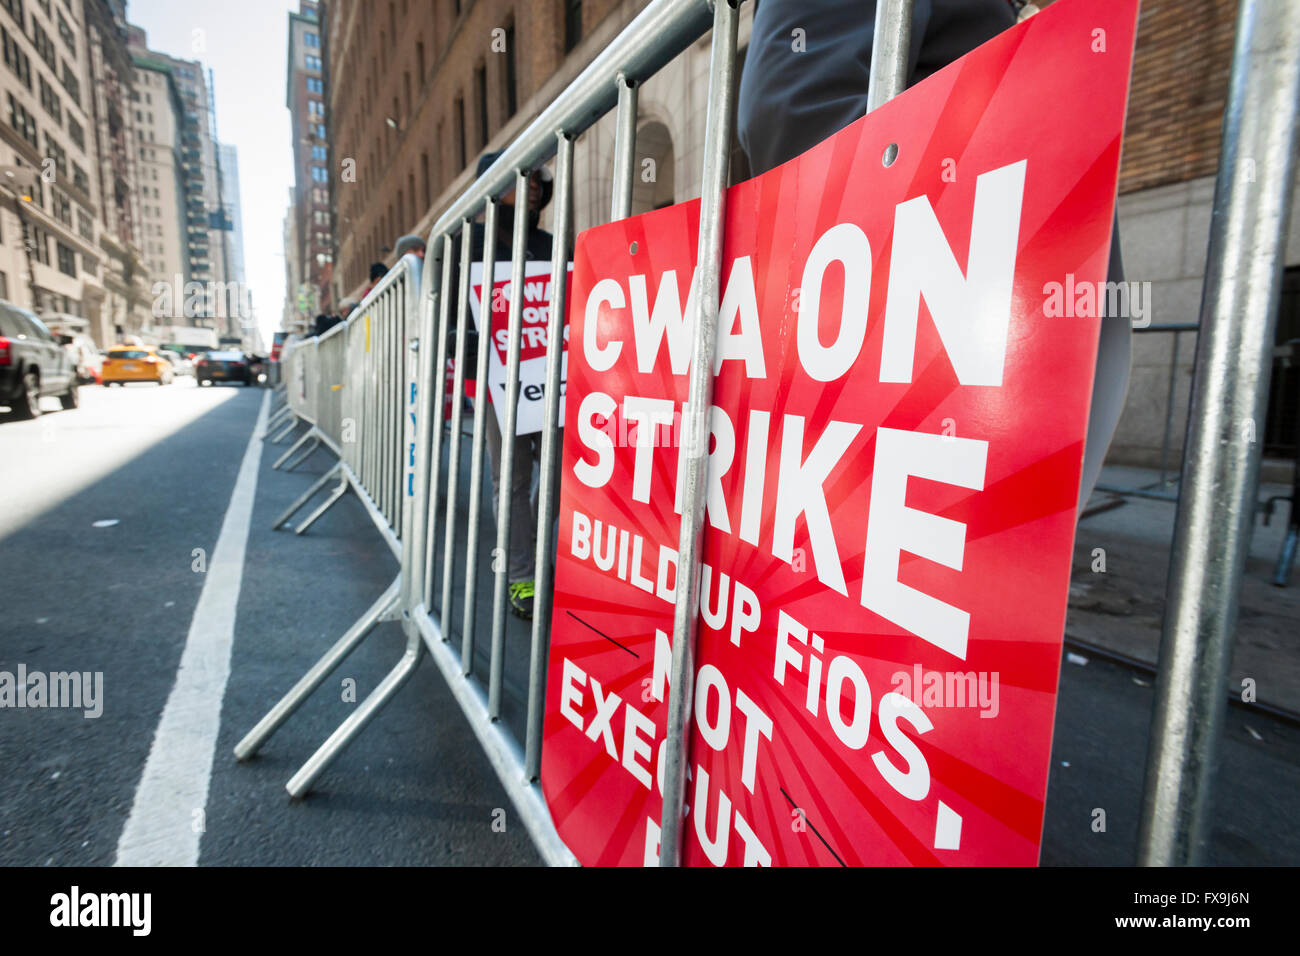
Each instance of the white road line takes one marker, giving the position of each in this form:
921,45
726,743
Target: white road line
168,816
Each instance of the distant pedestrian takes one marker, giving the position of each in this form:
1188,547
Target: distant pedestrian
377,271
411,248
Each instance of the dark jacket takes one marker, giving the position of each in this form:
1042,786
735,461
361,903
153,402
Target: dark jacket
791,99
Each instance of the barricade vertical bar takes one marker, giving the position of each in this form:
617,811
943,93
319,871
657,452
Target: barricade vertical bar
481,411
457,409
1221,465
889,51
379,489
624,150
413,545
392,425
518,256
404,318
713,203
548,488
435,456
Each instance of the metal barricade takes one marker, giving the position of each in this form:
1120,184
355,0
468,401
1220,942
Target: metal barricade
436,540
353,394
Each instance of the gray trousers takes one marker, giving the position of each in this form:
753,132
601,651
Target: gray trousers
523,500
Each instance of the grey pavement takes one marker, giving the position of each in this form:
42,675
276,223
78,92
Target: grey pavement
1121,607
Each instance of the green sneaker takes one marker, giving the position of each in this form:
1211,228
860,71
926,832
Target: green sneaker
521,599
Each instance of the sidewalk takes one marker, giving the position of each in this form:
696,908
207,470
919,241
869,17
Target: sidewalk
1122,608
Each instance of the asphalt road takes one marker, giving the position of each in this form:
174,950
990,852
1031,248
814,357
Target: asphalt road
160,464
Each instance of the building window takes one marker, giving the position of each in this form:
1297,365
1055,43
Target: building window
311,40
56,152
16,59
66,35
85,226
316,107
71,83
320,174
15,8
39,243
44,45
480,94
320,130
424,179
50,102
4,286
460,133
67,260
511,74
79,178
23,122
314,85
311,62
76,133
318,152
62,208
572,24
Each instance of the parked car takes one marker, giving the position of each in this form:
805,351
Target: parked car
32,364
180,364
136,363
229,366
86,359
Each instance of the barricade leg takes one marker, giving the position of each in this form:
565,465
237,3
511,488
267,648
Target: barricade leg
302,781
309,435
290,702
287,431
329,503
277,418
321,482
315,443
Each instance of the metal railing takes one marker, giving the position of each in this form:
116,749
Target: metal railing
438,540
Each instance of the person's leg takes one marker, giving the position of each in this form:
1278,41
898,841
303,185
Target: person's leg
522,544
523,512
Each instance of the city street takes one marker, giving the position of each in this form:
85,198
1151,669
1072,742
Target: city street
113,511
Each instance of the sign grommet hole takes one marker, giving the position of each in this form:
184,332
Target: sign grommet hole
890,154
632,248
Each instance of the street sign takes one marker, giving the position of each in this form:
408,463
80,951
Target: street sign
894,464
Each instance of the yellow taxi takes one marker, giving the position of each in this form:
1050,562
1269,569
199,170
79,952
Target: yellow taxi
136,363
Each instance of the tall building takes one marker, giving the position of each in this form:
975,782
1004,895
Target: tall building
50,259
111,93
310,204
205,242
160,188
229,157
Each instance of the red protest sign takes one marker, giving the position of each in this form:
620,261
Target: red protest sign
896,444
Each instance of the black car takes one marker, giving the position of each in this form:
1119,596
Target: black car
32,364
231,366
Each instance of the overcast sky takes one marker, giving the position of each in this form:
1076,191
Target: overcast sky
244,43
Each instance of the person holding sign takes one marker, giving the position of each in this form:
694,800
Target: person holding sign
528,448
